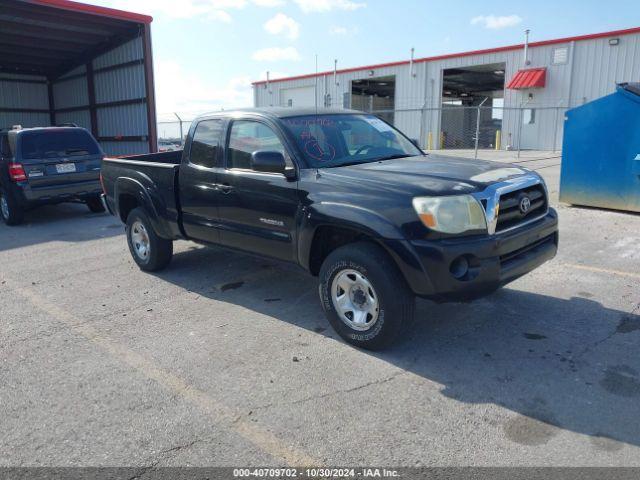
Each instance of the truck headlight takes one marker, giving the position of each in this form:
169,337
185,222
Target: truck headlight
454,214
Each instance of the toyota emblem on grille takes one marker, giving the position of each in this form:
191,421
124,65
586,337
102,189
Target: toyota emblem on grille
525,205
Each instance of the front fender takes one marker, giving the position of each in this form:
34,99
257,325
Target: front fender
147,198
370,224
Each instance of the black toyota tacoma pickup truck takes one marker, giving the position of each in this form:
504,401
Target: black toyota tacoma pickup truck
46,166
348,198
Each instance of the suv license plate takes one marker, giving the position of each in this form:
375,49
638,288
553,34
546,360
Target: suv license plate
66,167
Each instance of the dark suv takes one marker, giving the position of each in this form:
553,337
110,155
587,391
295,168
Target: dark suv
44,166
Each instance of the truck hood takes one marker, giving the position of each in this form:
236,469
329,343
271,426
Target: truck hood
425,175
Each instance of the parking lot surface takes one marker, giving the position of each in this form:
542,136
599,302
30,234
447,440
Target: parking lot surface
227,360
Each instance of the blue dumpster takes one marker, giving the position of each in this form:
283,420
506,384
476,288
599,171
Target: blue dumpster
601,152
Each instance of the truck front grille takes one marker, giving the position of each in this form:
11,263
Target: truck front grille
521,206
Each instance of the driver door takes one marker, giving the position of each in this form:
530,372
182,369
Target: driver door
257,210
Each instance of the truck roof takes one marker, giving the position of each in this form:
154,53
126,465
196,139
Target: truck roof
280,112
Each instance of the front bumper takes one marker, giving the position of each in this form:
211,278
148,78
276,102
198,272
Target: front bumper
493,260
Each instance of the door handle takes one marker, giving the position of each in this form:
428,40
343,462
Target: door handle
226,188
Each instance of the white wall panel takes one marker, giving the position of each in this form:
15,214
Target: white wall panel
124,148
70,93
23,95
121,84
125,120
599,66
9,119
297,97
132,50
82,118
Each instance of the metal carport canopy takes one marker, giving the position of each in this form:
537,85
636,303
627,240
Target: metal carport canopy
50,37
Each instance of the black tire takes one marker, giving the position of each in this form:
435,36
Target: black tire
12,214
159,250
396,302
95,205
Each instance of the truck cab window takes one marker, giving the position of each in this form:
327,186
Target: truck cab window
247,137
206,143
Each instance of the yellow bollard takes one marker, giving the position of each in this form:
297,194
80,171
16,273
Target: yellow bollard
498,139
430,141
441,140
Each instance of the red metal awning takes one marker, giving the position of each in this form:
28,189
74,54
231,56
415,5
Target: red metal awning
529,78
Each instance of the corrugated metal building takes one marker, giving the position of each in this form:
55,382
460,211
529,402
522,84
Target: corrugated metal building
424,95
68,62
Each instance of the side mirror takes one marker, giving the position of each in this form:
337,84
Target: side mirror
269,162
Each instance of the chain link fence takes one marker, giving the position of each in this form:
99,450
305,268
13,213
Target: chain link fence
450,127
453,127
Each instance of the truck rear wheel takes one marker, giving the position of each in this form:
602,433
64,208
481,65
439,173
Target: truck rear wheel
151,252
10,210
364,296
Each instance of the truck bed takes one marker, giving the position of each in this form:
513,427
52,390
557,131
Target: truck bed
173,158
157,175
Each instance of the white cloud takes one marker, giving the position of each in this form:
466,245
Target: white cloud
281,24
224,4
219,15
338,30
495,22
268,3
275,54
309,6
190,94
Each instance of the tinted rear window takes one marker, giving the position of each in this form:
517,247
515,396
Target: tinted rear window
57,143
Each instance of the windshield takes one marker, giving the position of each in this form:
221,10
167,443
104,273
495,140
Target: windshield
54,143
347,139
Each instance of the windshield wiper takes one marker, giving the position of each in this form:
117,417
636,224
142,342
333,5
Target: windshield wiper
347,164
392,157
369,160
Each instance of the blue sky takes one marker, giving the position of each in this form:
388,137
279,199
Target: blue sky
207,52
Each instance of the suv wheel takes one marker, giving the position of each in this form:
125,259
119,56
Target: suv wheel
10,211
149,251
364,296
95,205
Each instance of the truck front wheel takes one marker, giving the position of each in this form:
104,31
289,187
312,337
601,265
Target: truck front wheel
151,252
364,296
